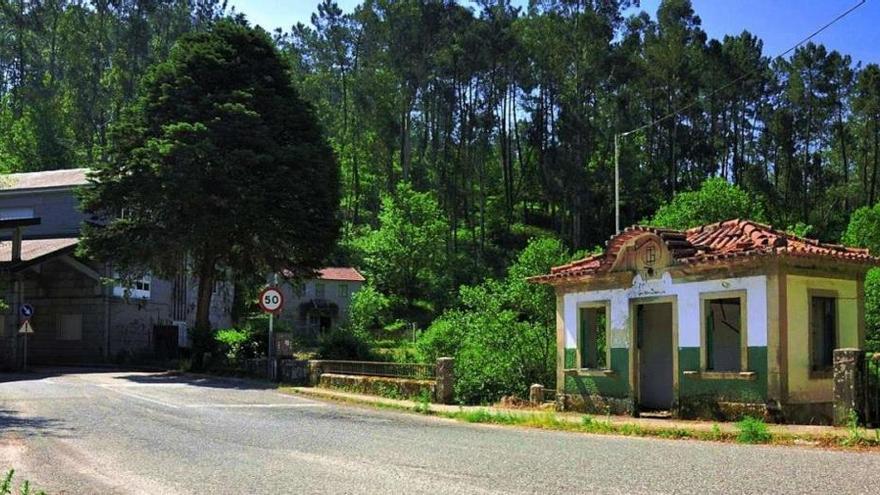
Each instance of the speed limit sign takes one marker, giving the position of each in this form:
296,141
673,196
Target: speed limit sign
271,300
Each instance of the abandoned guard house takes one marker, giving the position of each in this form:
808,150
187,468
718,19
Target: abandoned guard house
716,321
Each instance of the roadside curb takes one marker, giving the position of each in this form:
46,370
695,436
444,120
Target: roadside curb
801,435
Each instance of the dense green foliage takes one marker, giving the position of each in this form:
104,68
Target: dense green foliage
405,256
864,231
502,334
68,67
506,114
872,310
218,162
715,201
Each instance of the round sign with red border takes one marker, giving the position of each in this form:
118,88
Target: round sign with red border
271,300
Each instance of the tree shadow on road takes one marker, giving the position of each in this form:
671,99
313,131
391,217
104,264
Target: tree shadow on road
14,424
42,372
198,381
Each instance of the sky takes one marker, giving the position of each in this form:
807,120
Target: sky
779,23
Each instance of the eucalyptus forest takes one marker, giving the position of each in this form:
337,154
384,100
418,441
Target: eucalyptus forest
462,130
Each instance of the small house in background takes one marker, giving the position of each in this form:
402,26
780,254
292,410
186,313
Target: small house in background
320,304
79,317
718,321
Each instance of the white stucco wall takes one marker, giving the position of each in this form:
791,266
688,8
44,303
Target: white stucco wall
688,298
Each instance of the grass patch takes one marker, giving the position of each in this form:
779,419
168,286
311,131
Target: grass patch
753,430
423,403
591,425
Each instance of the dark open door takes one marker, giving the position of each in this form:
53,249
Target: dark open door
654,330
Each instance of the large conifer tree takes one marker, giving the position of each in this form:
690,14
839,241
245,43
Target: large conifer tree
218,162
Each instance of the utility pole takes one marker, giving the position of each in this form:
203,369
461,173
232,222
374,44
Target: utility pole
617,183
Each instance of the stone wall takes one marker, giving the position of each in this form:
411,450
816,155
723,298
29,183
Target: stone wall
392,388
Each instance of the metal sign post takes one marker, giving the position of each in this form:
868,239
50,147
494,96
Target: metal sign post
27,312
271,301
25,329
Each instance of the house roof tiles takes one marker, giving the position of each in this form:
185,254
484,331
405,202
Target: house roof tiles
714,243
344,273
336,273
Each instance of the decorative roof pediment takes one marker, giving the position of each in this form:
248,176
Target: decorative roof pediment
645,254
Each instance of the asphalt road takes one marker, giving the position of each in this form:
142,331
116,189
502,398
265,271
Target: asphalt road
124,432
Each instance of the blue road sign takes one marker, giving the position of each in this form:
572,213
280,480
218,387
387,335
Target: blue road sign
26,311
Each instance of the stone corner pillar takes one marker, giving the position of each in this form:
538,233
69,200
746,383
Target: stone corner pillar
849,384
444,391
314,371
536,394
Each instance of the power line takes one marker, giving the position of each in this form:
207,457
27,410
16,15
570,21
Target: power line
740,78
697,100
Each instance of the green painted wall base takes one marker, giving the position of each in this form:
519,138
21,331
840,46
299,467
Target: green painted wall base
596,404
615,384
698,395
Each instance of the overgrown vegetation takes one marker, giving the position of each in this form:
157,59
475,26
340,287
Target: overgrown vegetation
246,341
501,334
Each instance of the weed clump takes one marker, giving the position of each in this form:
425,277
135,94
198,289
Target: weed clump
6,486
753,430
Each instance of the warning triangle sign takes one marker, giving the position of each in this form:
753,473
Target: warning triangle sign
26,327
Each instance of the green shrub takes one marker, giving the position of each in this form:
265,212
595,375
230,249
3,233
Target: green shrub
370,309
231,341
248,341
344,343
752,430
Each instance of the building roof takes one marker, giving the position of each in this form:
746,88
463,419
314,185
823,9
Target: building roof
341,273
47,179
35,249
720,242
337,273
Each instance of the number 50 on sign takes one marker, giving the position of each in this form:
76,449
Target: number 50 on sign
271,300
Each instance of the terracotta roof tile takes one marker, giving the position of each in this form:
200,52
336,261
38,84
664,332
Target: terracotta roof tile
713,243
339,273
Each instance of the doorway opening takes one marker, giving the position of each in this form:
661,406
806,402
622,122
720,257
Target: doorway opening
655,359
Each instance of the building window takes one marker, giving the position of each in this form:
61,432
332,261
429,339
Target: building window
593,337
139,288
69,327
823,332
319,290
724,333
16,213
343,291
